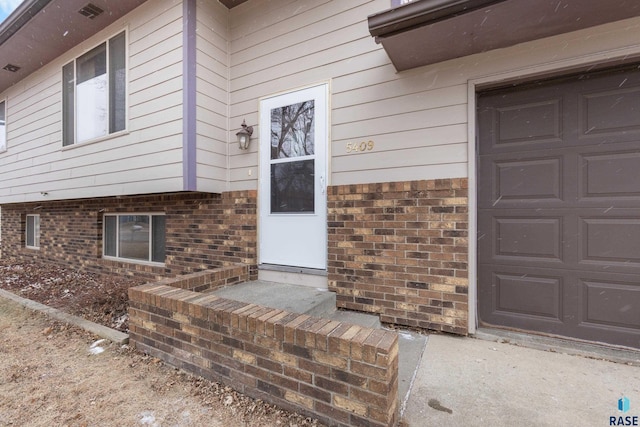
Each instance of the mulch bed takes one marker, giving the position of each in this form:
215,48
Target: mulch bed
99,298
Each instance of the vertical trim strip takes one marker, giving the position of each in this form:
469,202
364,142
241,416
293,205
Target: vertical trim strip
189,96
472,203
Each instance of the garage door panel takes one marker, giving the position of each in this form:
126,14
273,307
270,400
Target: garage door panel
527,178
530,123
528,295
606,113
613,304
513,128
528,237
524,298
520,238
611,240
538,178
611,174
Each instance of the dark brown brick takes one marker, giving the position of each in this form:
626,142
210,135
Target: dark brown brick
332,386
349,378
297,350
272,389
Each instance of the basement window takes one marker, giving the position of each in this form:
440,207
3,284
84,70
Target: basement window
135,237
94,93
32,237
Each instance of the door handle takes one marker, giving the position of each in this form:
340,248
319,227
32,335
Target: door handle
322,186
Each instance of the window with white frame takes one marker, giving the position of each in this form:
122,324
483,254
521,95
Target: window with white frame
32,238
138,237
3,126
94,92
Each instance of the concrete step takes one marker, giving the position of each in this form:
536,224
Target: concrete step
362,319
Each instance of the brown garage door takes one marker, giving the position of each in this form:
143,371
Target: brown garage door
559,207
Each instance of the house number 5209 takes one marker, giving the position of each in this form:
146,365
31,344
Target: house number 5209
359,147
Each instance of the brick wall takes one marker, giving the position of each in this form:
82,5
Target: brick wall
342,374
209,280
202,231
401,250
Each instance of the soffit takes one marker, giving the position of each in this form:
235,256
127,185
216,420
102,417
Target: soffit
232,3
41,30
430,31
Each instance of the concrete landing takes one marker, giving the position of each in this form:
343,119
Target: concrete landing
322,303
470,382
295,299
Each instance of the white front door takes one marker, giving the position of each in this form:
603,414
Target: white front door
293,179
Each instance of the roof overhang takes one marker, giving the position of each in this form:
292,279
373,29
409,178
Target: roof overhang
430,31
39,31
232,3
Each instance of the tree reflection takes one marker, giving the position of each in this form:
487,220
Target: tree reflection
292,128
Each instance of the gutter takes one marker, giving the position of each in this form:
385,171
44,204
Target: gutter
421,13
20,17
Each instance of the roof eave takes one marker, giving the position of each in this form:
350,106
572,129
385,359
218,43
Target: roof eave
20,17
426,32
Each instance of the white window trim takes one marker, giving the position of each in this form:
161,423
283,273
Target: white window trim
36,232
96,140
108,136
130,260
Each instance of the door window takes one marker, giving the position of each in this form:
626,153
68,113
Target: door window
292,158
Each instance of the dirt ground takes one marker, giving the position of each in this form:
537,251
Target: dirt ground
101,299
55,374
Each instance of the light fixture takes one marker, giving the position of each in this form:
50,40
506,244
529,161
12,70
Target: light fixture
244,136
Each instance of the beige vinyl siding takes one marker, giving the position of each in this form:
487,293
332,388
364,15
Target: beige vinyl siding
147,158
212,96
417,119
329,41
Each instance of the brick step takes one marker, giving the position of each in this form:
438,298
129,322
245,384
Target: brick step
322,303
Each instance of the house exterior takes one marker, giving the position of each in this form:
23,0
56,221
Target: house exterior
444,164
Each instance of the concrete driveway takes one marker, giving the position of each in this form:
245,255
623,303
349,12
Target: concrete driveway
473,382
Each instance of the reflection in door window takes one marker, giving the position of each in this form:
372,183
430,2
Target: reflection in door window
292,130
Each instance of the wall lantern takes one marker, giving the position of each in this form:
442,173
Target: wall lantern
244,136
